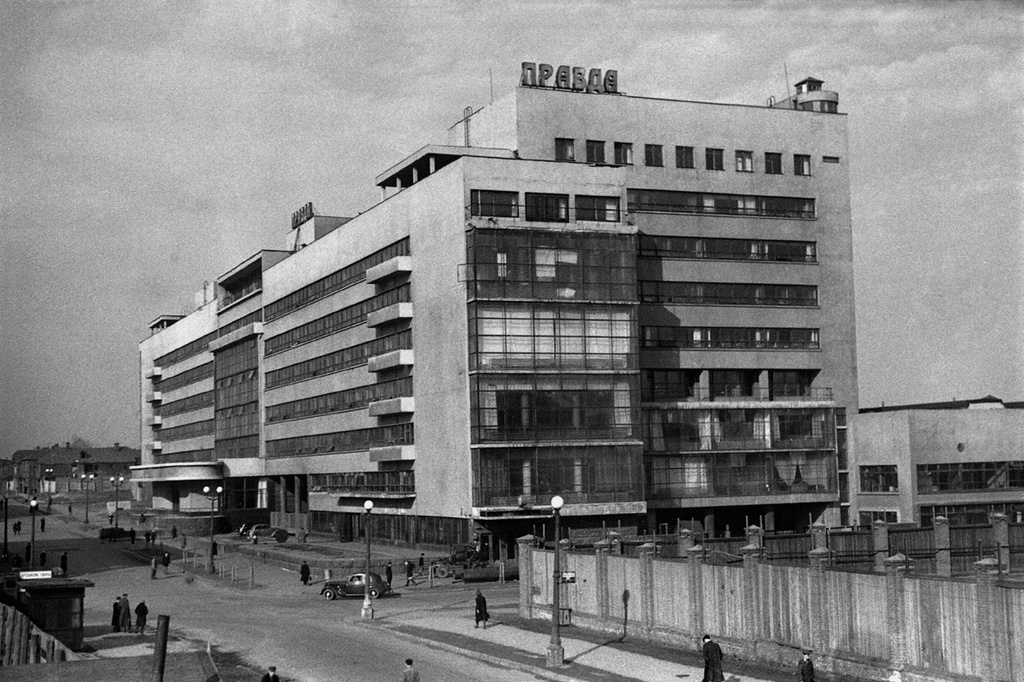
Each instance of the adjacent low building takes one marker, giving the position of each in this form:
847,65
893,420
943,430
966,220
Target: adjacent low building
642,305
55,469
962,459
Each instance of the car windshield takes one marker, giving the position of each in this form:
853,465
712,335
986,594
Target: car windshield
356,578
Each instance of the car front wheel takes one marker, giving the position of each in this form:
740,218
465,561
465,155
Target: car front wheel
374,593
330,595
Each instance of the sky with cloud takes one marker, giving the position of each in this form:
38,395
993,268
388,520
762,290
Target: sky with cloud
149,146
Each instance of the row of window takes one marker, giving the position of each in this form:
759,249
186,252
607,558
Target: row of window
192,430
189,404
670,201
714,158
335,322
254,316
194,375
338,361
336,281
185,352
342,441
542,207
402,481
236,358
658,385
234,448
675,430
237,421
728,337
340,401
973,476
237,389
714,248
971,514
728,293
740,474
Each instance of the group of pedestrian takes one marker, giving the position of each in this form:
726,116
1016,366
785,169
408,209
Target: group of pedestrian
713,663
121,619
16,527
165,560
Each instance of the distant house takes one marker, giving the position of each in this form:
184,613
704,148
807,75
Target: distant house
962,459
56,469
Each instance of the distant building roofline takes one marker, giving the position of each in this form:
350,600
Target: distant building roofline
989,401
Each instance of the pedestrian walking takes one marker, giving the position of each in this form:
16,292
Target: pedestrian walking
42,525
481,610
712,661
270,675
408,574
146,534
126,614
410,674
141,611
304,573
184,542
152,568
421,563
131,535
167,562
807,668
28,553
69,509
115,619
388,574
110,519
142,517
42,559
174,532
64,563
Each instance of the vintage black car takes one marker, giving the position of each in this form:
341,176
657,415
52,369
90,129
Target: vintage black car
354,586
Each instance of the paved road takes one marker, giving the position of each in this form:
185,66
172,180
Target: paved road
282,623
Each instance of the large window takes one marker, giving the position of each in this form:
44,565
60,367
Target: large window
342,441
595,151
668,201
773,163
715,248
714,159
494,203
565,149
971,514
970,476
734,337
624,153
566,337
669,384
740,474
551,208
652,155
604,209
684,157
744,162
340,401
728,293
879,478
338,361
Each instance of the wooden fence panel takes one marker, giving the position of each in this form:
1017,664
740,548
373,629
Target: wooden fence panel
1013,627
723,600
787,598
864,597
623,588
790,549
672,595
581,595
851,550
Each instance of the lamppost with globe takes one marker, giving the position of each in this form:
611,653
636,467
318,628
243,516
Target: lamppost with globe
367,603
86,482
556,654
212,495
116,481
32,507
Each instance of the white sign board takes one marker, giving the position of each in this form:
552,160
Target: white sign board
35,575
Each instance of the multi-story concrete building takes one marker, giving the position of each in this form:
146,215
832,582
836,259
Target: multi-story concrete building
532,310
962,459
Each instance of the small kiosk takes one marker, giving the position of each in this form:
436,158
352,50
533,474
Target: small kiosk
55,605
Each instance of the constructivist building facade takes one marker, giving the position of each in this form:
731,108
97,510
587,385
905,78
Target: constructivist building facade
642,305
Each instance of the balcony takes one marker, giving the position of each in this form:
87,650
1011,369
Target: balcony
154,397
396,312
390,360
755,394
399,265
157,445
154,372
382,408
393,453
156,421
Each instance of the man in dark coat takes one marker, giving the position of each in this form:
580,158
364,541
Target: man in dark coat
270,675
115,620
807,668
408,574
166,561
304,573
64,563
141,611
42,525
481,610
42,560
712,661
388,574
131,535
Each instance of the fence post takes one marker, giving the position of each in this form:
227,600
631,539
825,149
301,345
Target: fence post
601,550
820,558
819,536
684,541
695,565
751,595
1001,537
616,541
880,543
526,575
646,552
943,557
896,610
986,571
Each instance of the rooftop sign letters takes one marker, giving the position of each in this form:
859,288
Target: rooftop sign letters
569,78
302,215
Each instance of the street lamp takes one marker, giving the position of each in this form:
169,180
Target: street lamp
32,506
213,496
116,481
367,604
556,654
86,480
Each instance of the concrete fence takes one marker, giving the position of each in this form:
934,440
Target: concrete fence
861,624
22,643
